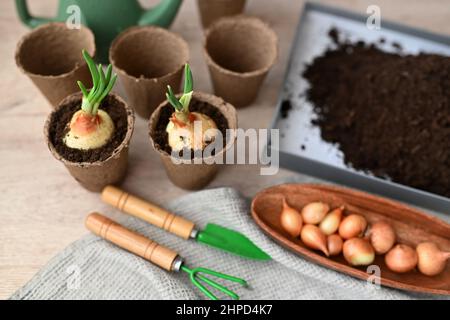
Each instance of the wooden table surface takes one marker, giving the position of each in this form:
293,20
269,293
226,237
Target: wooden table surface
42,208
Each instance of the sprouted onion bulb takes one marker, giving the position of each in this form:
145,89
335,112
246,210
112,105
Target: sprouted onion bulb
313,238
89,132
431,260
334,244
291,220
401,258
314,212
91,127
358,252
382,237
330,223
352,226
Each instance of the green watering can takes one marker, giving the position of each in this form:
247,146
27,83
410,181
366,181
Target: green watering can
106,18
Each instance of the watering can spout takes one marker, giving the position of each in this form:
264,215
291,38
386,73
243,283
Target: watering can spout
162,14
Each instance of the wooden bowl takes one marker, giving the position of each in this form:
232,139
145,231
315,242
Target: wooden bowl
412,227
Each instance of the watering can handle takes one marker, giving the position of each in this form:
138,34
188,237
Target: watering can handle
148,212
161,15
27,18
131,241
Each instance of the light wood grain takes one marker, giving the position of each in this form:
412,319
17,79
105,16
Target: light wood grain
43,209
147,211
131,241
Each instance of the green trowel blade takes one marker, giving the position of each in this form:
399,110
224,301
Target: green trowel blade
231,241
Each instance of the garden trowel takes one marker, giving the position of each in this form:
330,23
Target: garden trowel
212,235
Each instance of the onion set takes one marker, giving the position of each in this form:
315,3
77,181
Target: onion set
291,220
314,212
358,252
330,223
313,238
431,260
92,127
401,258
382,237
334,244
352,226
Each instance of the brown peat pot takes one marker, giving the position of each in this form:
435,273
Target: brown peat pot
239,51
411,226
212,10
189,175
50,56
97,167
147,60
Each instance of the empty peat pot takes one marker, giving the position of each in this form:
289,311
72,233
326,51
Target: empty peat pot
95,168
147,60
50,56
239,51
211,10
189,175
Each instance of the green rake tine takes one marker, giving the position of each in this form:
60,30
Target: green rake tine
208,293
195,276
219,287
223,276
198,284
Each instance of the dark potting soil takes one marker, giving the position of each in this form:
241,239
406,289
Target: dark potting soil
286,106
59,128
160,136
388,113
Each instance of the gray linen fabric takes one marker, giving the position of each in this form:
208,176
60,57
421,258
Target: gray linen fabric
92,268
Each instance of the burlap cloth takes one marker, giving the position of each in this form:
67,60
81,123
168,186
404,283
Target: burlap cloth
92,268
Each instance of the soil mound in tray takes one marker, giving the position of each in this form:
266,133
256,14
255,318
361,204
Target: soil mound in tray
389,113
161,137
59,128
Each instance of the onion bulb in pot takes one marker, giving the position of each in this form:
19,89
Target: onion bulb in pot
334,244
358,252
313,238
401,258
352,226
314,212
291,220
431,260
382,237
330,223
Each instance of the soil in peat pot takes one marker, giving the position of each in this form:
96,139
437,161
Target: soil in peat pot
389,113
160,135
59,128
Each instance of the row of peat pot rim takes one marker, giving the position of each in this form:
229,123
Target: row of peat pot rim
239,50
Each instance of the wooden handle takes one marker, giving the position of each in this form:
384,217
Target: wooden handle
146,211
131,241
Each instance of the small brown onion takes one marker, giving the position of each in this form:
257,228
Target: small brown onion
313,238
334,244
352,226
330,223
431,260
358,252
314,212
382,237
291,220
401,258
